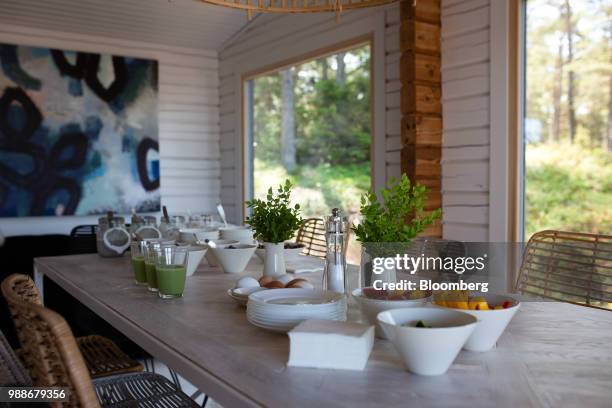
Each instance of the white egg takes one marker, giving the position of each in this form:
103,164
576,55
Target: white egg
247,282
285,279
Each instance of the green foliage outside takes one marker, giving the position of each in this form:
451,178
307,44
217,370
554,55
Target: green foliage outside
332,133
569,188
568,152
275,219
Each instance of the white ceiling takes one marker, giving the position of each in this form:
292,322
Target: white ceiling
183,23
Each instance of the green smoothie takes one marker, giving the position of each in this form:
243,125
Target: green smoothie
138,264
171,279
151,276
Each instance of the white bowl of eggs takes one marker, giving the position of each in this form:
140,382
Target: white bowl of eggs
247,285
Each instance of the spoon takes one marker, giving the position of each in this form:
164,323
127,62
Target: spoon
221,212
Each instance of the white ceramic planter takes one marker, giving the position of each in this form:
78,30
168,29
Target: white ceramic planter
274,259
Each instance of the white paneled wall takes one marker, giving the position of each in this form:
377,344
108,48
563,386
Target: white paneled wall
465,105
393,144
271,40
188,121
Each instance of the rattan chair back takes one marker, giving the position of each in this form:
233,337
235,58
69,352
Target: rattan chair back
312,235
569,267
49,349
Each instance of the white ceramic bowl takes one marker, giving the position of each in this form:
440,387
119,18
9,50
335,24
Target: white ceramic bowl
195,254
243,235
210,256
193,235
233,260
372,307
491,323
427,351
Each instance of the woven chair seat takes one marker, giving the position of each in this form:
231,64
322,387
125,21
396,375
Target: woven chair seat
103,357
312,235
142,389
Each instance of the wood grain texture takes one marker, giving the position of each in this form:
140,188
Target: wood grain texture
551,355
421,96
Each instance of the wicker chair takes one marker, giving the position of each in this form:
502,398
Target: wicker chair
54,360
569,267
101,355
312,235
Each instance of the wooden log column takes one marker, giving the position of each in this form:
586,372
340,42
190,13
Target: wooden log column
421,95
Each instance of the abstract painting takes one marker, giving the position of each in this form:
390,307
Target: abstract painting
78,133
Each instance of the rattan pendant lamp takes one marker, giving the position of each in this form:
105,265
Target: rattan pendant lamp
298,6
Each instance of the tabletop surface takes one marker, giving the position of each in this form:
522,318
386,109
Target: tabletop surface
551,355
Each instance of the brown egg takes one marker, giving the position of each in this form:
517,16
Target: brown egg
293,282
265,280
274,285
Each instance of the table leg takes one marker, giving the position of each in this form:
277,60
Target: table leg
38,280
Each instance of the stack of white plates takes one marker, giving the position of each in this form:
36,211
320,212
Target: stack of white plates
280,310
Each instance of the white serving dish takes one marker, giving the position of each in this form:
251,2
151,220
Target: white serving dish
233,260
193,235
241,295
427,351
195,254
282,309
301,298
491,323
372,307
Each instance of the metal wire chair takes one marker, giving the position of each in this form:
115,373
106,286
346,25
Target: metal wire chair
54,360
569,267
102,356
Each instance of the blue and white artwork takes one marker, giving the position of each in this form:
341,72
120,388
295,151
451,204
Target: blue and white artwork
78,133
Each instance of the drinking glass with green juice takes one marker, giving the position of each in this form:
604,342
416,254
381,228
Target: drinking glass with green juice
138,262
151,252
171,271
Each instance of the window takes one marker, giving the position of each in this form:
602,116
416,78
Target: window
311,123
568,116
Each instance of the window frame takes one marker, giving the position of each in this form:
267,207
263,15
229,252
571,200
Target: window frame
246,137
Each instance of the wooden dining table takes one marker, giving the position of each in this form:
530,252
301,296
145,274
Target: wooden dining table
551,355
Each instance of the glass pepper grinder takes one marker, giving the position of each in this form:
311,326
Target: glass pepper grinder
334,276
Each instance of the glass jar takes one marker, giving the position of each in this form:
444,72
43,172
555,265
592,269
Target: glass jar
112,238
146,228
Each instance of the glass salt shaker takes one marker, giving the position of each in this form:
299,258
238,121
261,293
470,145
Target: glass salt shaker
334,276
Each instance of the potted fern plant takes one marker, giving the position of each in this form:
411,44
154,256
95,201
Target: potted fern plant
387,227
274,221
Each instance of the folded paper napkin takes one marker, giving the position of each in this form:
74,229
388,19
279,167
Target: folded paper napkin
305,264
330,344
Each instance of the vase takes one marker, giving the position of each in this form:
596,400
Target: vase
368,276
274,259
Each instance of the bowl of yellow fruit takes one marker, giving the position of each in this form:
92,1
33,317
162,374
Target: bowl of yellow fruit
493,312
372,301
